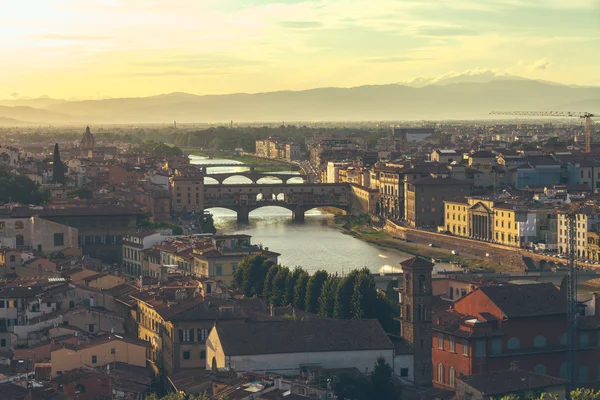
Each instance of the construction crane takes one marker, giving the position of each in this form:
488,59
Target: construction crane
570,215
568,114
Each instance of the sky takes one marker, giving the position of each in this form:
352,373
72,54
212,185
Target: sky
87,49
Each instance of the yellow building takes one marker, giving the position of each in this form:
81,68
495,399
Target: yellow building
506,225
187,189
177,320
484,219
592,247
221,263
96,352
457,217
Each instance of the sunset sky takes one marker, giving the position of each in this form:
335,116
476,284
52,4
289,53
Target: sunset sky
115,48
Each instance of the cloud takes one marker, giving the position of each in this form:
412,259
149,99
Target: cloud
55,36
398,59
300,24
435,31
14,95
541,65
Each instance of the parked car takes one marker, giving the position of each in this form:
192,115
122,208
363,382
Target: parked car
456,253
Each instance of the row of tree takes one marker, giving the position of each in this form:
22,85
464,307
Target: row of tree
352,296
156,149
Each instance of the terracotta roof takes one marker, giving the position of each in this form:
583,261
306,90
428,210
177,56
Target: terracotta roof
505,382
517,301
11,292
315,335
417,262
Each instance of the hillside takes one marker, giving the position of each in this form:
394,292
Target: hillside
463,100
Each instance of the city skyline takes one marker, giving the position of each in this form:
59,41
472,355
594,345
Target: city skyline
117,48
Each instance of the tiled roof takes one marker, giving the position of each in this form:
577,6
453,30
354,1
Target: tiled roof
501,382
417,262
315,335
516,301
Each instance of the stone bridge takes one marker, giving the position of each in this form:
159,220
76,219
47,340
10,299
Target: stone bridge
298,198
554,277
254,176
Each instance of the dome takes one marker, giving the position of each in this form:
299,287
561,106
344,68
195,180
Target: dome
87,141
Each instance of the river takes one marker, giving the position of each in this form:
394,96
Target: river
317,243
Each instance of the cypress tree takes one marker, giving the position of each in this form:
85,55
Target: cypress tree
58,168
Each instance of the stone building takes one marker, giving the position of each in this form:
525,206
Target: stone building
415,315
425,197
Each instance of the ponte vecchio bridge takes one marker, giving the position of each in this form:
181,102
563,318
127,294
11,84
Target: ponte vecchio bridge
298,198
251,173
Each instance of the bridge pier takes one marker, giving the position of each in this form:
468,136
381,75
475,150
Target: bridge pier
298,215
243,216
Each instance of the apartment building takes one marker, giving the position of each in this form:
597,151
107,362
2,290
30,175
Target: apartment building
187,190
133,250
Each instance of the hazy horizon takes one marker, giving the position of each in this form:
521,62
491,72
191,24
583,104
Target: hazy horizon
68,49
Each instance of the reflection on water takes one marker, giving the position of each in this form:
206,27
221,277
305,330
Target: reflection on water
315,244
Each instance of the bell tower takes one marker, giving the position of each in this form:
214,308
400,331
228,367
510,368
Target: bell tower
415,315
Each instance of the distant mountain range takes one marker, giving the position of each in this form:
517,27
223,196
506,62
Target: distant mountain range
453,97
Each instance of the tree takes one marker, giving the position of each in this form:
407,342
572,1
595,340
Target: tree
82,193
381,381
290,285
20,189
313,290
364,296
279,286
386,311
343,296
268,283
327,297
300,290
251,273
58,168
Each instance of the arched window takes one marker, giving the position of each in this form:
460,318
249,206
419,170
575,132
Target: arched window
407,313
513,343
20,240
539,341
565,370
540,369
440,373
451,377
407,283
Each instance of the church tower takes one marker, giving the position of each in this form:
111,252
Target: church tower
415,315
87,141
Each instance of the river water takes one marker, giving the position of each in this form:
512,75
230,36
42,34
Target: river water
315,244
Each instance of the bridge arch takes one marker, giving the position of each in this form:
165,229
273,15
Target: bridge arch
209,180
296,180
337,209
267,178
230,180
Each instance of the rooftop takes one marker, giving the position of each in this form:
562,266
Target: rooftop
314,335
504,382
517,301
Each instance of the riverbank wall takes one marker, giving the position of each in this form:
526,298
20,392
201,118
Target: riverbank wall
502,255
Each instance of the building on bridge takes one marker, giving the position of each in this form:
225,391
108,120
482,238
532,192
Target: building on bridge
492,327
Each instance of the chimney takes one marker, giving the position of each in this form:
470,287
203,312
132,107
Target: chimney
271,311
141,284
